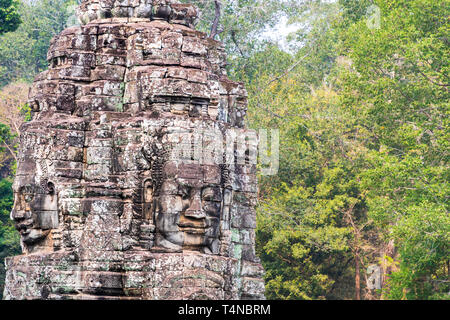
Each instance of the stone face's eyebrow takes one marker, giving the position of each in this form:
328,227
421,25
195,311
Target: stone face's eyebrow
31,189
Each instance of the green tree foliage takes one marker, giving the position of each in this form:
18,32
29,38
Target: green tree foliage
9,16
9,238
23,53
242,24
354,10
7,151
363,115
399,86
305,221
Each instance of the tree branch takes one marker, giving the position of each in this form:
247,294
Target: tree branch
216,21
10,151
233,37
286,72
432,81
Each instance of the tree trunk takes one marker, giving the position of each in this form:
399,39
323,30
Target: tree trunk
448,268
357,277
216,21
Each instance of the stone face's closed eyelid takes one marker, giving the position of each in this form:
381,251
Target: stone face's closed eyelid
24,192
184,190
211,194
208,193
28,197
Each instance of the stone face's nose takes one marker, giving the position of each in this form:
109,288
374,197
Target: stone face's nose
18,214
195,209
19,211
168,10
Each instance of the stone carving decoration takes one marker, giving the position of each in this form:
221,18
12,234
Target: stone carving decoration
112,200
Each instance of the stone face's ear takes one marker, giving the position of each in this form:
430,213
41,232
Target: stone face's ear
51,188
34,105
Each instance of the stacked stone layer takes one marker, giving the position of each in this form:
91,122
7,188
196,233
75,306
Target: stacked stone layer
153,276
134,10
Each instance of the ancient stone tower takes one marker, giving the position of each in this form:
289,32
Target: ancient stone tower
128,186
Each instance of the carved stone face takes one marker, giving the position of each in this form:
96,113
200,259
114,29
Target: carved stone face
35,210
188,208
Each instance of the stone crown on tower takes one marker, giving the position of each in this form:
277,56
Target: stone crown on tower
137,10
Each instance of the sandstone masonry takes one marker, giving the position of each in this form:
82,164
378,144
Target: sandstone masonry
103,209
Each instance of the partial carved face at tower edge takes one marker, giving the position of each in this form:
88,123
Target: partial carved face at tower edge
188,208
35,210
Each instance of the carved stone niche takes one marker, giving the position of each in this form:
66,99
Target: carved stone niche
147,200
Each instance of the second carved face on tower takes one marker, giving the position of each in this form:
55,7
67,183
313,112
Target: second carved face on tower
188,208
35,210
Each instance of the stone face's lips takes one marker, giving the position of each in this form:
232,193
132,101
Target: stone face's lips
24,227
190,222
190,230
193,227
24,231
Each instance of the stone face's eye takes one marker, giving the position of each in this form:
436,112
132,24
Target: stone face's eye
211,194
26,193
28,197
185,192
